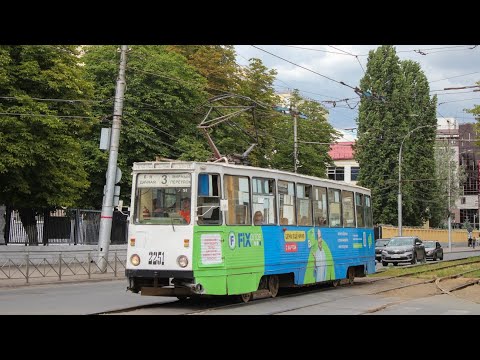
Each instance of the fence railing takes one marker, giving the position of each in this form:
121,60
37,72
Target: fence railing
61,266
70,226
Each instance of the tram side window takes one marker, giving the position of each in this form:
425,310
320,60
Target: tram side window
263,196
360,210
320,214
368,212
334,207
286,194
348,209
208,201
304,205
237,191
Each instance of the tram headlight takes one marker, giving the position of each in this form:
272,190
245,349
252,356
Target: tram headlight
135,260
182,261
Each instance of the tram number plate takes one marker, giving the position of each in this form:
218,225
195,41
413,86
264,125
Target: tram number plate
156,258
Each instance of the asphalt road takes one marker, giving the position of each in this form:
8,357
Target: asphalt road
455,254
71,299
105,296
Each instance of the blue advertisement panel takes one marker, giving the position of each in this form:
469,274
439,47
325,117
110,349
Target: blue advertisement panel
315,254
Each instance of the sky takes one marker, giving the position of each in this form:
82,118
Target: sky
444,65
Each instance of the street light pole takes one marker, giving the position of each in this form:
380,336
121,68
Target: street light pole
400,177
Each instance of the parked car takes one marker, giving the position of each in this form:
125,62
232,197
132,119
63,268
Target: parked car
434,250
402,249
379,245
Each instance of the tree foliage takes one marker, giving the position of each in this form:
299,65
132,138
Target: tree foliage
216,63
399,110
160,110
42,158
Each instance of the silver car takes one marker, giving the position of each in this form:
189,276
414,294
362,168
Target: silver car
434,250
403,249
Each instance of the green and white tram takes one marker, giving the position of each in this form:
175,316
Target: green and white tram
223,229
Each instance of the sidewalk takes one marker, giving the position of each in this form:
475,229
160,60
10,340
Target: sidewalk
36,265
456,249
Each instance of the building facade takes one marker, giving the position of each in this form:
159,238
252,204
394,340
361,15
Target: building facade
459,138
467,206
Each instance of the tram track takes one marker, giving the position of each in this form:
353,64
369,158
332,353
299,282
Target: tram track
308,290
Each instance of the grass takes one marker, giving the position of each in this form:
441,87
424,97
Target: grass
401,270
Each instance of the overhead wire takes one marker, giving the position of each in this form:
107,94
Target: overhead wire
305,68
54,100
452,77
50,115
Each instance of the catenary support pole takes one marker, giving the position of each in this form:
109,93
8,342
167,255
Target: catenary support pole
107,206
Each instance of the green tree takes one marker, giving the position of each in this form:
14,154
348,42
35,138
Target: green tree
399,103
160,110
216,63
42,159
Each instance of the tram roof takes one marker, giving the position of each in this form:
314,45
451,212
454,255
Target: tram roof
191,165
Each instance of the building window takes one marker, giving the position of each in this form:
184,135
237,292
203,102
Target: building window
354,173
470,215
336,173
470,186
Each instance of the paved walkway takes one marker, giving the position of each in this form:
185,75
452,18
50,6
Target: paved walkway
461,249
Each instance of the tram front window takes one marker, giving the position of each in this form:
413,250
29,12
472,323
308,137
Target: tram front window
163,199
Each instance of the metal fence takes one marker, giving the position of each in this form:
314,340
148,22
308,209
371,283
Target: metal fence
70,226
19,267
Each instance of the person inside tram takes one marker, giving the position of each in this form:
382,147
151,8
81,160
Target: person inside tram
258,218
185,210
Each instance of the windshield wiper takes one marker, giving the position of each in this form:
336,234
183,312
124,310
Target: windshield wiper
171,221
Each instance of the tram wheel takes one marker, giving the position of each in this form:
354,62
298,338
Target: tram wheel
246,297
273,285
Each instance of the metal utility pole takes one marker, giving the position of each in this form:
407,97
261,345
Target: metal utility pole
107,206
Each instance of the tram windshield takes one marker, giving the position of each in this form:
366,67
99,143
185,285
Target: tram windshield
163,199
